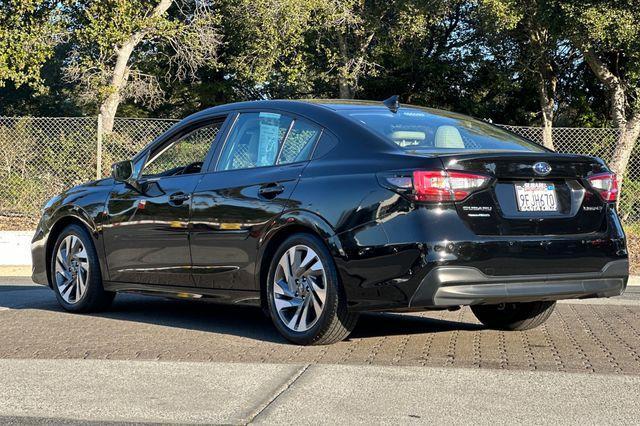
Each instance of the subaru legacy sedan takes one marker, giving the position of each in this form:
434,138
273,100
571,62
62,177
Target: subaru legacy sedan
318,210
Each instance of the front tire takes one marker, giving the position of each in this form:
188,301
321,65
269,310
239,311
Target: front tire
304,296
75,272
514,316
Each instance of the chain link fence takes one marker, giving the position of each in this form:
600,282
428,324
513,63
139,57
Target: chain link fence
598,142
39,157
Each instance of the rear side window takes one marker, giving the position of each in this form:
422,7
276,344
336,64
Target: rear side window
265,139
299,143
414,129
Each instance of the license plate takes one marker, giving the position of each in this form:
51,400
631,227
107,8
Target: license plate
536,197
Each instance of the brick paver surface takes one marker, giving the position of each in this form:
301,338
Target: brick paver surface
591,338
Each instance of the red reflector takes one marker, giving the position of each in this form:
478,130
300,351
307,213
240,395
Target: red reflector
606,184
441,185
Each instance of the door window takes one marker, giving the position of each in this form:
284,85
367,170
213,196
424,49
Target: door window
184,156
267,138
254,141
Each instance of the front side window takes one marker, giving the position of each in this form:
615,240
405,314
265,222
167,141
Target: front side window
427,131
260,139
184,156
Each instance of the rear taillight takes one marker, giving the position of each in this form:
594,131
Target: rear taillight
438,185
606,184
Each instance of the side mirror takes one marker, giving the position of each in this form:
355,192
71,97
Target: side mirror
122,171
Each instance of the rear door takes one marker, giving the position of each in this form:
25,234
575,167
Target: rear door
249,185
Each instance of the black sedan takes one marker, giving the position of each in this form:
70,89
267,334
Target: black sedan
319,210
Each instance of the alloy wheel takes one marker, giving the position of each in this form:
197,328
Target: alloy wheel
72,269
299,288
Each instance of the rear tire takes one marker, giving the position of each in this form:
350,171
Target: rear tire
304,296
514,316
75,272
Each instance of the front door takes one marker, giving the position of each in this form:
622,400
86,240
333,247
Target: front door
147,238
258,169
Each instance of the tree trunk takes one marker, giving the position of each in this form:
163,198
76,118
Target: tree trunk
108,110
624,147
119,77
547,105
120,73
547,82
344,85
629,130
346,91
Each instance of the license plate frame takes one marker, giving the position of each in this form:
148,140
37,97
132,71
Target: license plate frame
534,197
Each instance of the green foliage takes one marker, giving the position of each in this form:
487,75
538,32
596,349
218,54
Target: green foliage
126,48
28,30
629,205
612,30
264,49
474,56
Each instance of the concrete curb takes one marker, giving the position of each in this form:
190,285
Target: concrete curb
234,393
15,270
15,248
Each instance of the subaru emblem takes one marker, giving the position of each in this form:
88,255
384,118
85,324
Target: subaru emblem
542,168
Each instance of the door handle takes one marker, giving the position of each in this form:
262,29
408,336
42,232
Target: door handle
177,198
270,190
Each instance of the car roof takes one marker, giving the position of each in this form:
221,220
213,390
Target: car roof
337,105
322,111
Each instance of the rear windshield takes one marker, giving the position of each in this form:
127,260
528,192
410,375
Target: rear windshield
425,132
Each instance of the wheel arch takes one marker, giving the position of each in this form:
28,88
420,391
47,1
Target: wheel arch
290,223
61,220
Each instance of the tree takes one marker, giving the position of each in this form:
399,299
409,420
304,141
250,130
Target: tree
114,38
608,35
538,47
293,48
29,31
425,52
350,29
267,46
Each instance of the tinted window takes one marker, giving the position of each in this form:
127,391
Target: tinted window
254,141
419,130
299,143
190,150
326,143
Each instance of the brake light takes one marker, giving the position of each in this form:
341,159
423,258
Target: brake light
606,184
437,185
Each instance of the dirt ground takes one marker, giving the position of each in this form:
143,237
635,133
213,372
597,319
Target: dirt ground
633,245
18,223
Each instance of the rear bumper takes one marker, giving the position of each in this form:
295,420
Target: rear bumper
459,285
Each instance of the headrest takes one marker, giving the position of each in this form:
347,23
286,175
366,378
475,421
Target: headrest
448,137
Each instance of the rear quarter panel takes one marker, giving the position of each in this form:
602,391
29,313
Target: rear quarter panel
344,191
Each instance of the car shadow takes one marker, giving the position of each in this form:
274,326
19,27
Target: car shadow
244,321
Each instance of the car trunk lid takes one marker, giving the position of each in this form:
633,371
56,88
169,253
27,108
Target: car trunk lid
531,193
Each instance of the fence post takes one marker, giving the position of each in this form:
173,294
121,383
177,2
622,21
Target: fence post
99,148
